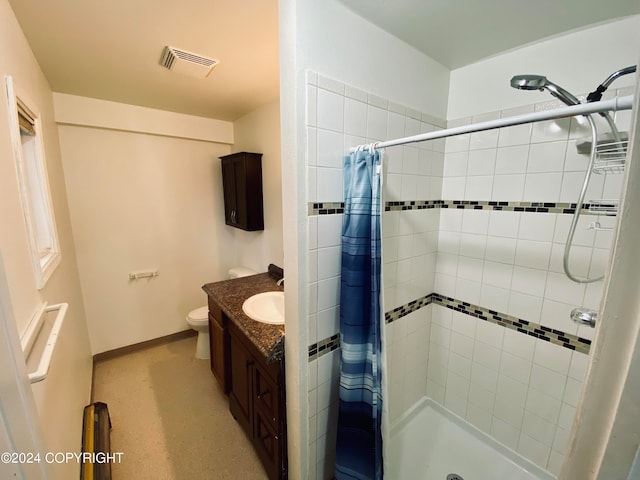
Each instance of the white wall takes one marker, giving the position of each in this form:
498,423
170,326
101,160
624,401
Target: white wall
61,397
259,131
139,202
578,62
337,43
92,112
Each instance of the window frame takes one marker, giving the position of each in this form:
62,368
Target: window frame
44,261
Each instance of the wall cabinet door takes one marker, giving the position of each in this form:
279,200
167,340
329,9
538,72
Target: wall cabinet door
242,184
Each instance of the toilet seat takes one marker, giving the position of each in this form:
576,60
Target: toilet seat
199,316
198,319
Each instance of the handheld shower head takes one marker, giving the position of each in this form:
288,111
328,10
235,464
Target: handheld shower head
529,82
540,82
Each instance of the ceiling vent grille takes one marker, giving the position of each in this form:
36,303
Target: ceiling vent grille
187,63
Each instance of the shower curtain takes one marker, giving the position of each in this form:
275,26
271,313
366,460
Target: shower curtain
359,437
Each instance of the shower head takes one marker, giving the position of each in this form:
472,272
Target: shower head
540,82
529,82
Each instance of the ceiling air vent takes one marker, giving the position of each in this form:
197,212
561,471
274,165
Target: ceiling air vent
187,63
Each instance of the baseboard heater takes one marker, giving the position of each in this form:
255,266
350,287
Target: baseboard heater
96,428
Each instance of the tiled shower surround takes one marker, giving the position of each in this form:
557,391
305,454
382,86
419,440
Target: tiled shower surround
477,304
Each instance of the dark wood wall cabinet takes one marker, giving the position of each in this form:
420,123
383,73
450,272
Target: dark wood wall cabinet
257,401
242,183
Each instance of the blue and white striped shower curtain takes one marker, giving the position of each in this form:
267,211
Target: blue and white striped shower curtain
359,438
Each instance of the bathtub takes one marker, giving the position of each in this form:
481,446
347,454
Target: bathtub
430,443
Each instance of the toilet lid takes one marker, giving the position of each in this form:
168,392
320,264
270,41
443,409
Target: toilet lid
200,314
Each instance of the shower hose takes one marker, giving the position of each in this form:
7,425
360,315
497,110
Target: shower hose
576,213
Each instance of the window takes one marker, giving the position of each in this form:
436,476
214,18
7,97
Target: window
34,185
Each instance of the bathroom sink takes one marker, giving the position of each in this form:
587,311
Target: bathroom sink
267,307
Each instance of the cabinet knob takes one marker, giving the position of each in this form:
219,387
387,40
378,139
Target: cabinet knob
262,394
233,216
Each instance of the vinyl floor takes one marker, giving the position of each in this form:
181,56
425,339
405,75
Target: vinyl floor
170,419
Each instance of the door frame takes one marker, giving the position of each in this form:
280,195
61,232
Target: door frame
19,422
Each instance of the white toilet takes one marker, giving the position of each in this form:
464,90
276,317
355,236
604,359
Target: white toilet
198,319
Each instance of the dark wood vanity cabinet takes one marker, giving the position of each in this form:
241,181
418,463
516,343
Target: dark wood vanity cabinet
219,346
242,184
257,401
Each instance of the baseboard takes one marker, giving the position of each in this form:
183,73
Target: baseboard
117,352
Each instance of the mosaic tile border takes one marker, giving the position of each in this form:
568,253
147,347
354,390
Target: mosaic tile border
323,347
557,337
332,208
530,207
326,208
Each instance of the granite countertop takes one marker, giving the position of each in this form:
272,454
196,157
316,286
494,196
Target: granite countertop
231,294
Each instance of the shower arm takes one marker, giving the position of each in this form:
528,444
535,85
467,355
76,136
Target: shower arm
596,95
568,98
576,213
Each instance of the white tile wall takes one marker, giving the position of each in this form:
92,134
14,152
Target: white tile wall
407,360
522,391
515,387
338,117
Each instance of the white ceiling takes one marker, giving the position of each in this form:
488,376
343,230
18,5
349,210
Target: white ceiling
110,49
459,32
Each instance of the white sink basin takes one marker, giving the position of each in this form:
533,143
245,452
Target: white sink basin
267,307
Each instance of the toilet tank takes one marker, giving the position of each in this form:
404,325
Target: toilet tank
237,272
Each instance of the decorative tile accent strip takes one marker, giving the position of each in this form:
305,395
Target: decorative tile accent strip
563,339
534,207
414,305
324,346
413,205
326,208
558,337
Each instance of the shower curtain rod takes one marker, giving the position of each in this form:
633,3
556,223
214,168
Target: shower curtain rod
618,103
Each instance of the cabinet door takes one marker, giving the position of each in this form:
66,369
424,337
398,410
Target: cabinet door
240,401
218,347
267,444
229,183
266,396
242,178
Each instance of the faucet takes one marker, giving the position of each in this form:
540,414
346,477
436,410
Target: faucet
280,282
